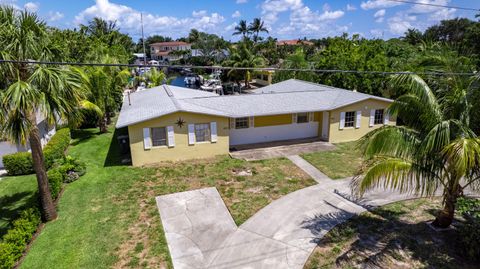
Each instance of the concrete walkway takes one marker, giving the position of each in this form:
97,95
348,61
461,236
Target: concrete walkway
201,233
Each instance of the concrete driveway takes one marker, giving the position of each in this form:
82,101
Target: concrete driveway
279,149
201,233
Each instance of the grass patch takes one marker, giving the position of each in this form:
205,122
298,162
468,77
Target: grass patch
342,162
108,218
392,236
16,194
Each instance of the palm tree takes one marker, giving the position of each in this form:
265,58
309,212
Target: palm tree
243,57
105,88
242,29
434,149
33,90
256,27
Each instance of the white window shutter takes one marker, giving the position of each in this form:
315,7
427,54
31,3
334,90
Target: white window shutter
372,117
232,123
342,120
311,116
294,118
147,141
213,132
252,122
191,134
359,119
386,119
171,136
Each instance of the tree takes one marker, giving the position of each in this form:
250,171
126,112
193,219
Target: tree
33,89
296,60
242,29
243,57
155,78
435,148
256,27
105,87
413,36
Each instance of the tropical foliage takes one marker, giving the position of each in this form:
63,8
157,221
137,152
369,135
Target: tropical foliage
435,150
33,91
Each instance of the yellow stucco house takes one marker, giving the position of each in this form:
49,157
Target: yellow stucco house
169,123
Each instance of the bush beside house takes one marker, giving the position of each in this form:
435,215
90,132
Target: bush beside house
21,163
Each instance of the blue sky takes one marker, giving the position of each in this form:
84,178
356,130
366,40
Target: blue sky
286,19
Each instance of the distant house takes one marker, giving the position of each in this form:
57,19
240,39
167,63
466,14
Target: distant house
165,51
295,42
169,123
139,58
46,132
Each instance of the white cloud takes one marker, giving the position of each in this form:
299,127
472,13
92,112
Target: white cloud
31,6
198,14
236,14
375,4
351,7
230,27
303,21
420,16
55,16
128,19
242,1
377,33
379,15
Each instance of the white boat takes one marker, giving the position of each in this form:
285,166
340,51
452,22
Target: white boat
191,79
212,85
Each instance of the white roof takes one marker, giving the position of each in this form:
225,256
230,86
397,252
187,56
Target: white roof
291,96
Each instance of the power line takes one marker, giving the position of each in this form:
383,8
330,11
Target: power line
434,5
274,69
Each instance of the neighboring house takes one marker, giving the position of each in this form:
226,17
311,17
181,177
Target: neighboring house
139,58
295,42
170,123
166,51
219,55
46,132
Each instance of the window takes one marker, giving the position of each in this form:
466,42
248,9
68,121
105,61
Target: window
159,136
202,132
242,123
302,117
378,116
350,119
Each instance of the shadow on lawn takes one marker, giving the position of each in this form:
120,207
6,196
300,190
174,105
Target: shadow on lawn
381,239
80,136
9,212
116,156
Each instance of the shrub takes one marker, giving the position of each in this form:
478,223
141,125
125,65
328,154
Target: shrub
55,180
21,163
18,163
71,169
16,239
470,230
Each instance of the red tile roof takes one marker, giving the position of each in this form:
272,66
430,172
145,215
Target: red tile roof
294,42
173,43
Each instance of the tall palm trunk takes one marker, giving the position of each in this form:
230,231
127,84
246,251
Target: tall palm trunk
102,124
47,207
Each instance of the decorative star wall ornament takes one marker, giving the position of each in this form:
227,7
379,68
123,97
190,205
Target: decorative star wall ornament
180,122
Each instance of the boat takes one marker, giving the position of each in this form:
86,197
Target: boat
213,85
191,79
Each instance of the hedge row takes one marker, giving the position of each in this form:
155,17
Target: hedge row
15,241
21,163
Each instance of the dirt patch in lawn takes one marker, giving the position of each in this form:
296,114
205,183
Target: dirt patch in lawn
392,236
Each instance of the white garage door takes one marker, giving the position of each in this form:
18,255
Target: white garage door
273,133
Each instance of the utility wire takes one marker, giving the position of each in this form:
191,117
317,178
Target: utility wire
434,5
244,68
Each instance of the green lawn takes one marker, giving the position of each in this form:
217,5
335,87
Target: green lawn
108,218
392,236
16,194
342,162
